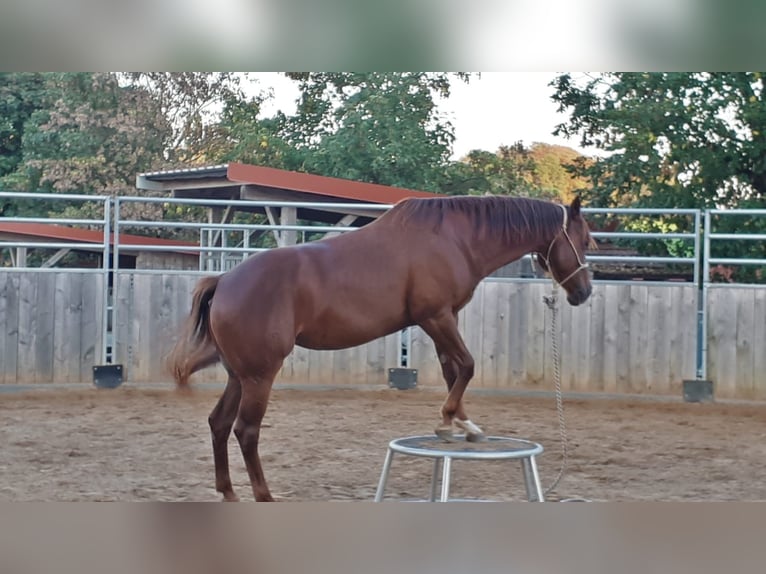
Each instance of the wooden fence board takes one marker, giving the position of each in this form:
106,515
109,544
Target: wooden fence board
27,327
744,342
759,344
67,338
9,326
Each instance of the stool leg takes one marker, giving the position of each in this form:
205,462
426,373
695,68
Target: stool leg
434,480
532,480
384,475
445,478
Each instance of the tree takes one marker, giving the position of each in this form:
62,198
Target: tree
537,171
508,171
190,104
91,136
21,94
672,139
243,135
376,127
551,173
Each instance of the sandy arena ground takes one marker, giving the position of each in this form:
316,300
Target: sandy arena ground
133,444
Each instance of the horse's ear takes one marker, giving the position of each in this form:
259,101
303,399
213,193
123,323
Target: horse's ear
574,209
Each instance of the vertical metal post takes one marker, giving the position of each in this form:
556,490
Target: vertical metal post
446,472
532,480
705,284
201,253
697,250
106,357
405,347
434,480
223,259
384,476
699,282
115,269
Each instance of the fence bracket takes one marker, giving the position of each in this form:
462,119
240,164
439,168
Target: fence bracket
698,391
107,376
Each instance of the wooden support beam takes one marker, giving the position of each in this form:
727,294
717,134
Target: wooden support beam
55,258
228,213
21,257
289,216
344,222
273,221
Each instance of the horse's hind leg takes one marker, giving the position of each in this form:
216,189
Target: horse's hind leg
221,420
247,429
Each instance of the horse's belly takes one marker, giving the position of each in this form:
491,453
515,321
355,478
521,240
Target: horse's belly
333,335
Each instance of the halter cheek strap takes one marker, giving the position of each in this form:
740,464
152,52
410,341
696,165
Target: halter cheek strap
581,264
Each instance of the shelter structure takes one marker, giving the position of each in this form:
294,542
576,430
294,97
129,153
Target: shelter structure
239,182
26,237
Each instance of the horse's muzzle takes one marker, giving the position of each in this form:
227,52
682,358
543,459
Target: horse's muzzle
579,296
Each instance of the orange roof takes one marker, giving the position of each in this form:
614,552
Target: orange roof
75,235
319,184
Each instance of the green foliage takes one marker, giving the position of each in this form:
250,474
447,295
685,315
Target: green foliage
675,140
551,173
380,128
243,136
505,172
21,94
672,139
87,135
189,104
538,171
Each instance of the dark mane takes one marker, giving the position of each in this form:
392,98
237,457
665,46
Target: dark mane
511,218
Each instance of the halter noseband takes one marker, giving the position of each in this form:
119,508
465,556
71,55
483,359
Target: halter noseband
582,264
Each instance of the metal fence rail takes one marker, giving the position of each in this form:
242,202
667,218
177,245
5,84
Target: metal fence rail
712,237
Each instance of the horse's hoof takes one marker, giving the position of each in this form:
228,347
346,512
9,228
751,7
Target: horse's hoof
476,437
472,431
230,498
445,433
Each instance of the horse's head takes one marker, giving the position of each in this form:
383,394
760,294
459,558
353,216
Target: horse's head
565,257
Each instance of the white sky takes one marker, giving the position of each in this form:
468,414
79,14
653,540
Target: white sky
499,108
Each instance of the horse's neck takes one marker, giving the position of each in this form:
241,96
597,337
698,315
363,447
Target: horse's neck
491,253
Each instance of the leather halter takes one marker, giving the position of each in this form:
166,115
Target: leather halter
581,263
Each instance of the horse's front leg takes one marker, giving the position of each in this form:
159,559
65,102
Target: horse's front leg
457,367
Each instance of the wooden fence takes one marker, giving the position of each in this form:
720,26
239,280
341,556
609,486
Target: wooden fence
736,339
50,326
628,338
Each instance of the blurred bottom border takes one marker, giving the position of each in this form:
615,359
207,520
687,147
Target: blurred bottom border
340,538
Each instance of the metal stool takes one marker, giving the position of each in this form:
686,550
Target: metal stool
494,448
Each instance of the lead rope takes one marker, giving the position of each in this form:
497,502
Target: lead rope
552,303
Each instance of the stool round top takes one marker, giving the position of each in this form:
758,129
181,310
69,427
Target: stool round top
494,448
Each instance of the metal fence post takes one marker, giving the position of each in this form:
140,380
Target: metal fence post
106,356
705,282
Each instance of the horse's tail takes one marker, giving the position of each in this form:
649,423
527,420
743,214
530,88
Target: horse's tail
195,348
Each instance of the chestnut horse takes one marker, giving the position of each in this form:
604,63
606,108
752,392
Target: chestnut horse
418,264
